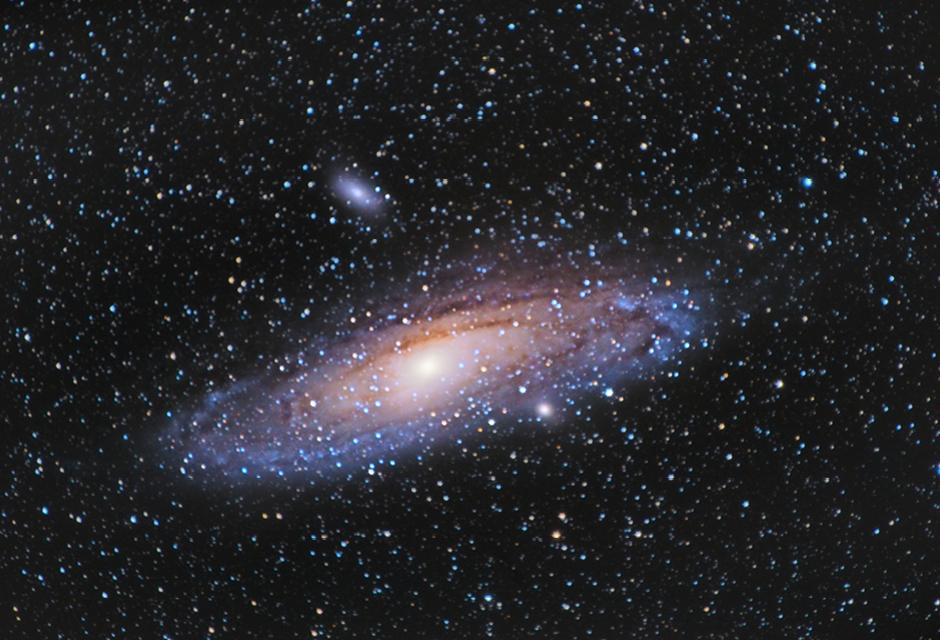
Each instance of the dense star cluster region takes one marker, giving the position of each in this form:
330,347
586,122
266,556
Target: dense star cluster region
463,320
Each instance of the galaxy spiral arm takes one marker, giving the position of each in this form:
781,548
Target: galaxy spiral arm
512,341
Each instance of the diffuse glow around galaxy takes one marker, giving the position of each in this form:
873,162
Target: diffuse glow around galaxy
493,346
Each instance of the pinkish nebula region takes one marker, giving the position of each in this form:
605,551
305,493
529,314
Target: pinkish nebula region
495,349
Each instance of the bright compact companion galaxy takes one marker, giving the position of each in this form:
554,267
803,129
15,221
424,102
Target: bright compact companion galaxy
521,340
560,320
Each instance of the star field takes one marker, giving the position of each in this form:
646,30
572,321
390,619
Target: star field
208,213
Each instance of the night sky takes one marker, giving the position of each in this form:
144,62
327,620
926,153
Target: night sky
200,206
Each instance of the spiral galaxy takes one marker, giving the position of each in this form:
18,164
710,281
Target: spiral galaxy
496,346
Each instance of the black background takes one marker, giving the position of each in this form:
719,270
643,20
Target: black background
127,195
